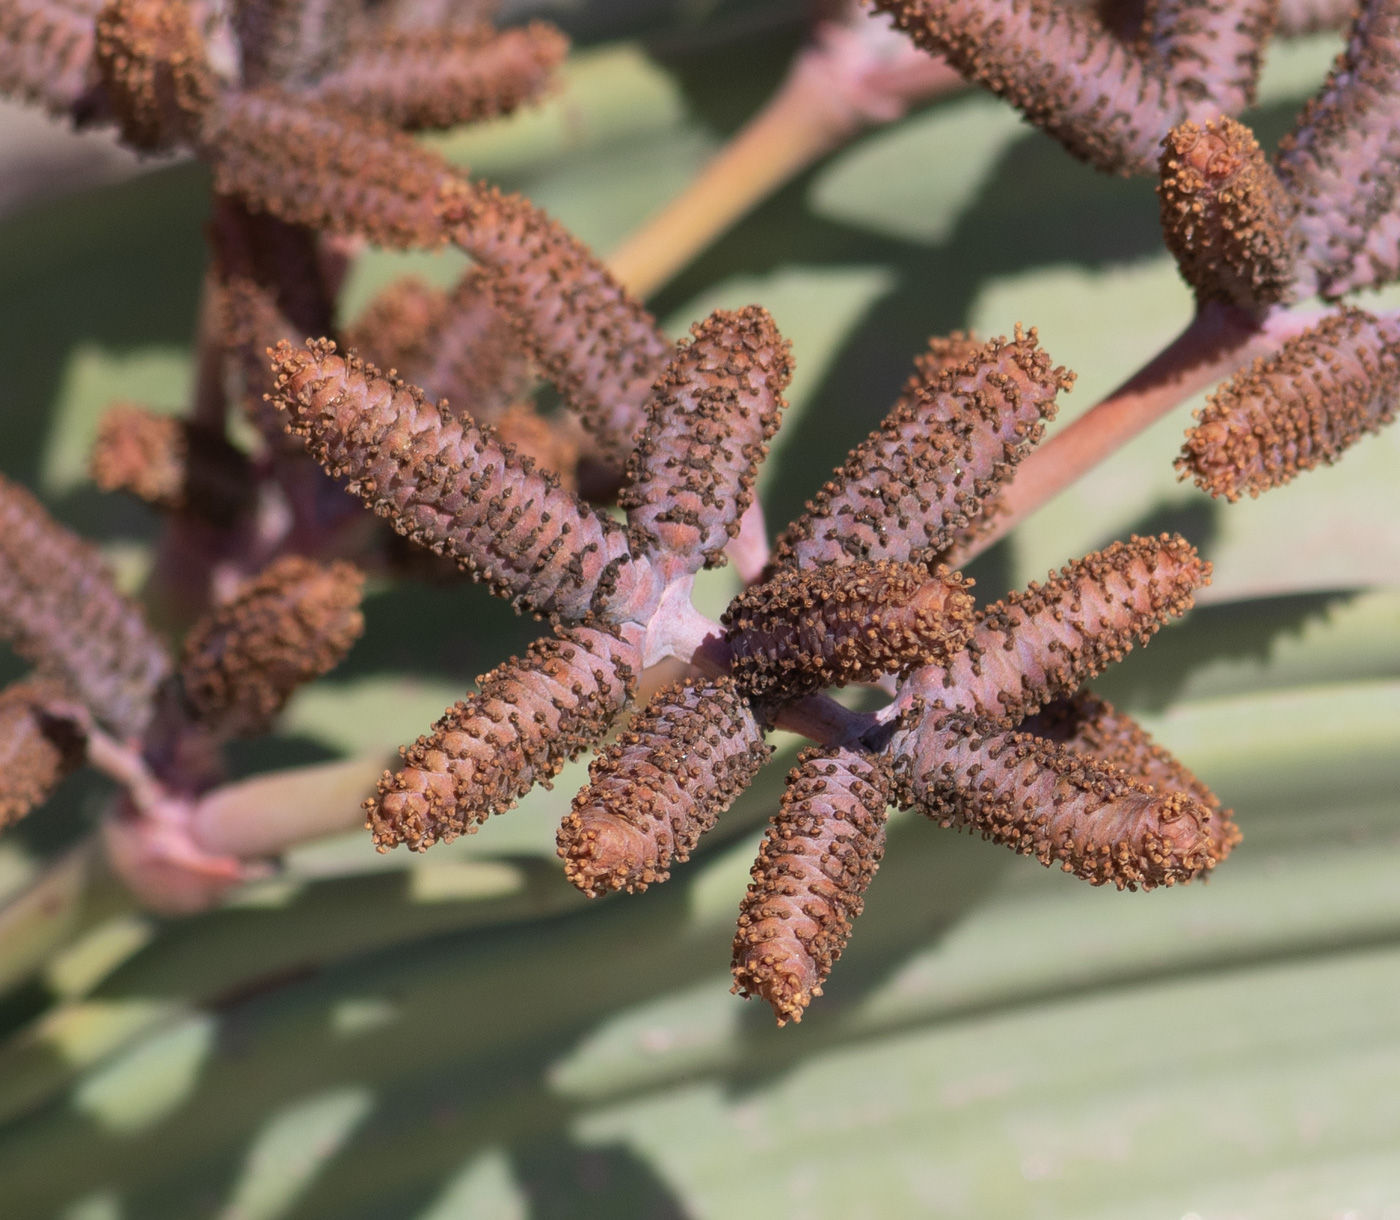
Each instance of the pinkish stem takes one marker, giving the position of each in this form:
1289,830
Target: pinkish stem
1218,340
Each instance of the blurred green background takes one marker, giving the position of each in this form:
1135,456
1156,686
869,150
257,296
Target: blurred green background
460,1036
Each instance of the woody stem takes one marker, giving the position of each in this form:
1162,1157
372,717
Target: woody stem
803,121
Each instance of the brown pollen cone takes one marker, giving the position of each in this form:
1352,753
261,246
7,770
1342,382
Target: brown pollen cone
681,763
527,719
293,622
456,488
1060,805
1057,65
923,477
1043,642
46,53
326,169
290,41
1225,215
392,331
1091,725
472,356
817,859
442,79
552,442
154,70
1300,408
1211,49
595,343
61,610
944,353
708,423
811,628
171,464
36,749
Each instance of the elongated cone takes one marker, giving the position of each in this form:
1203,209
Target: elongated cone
828,626
414,81
291,623
681,763
1226,216
527,720
1060,805
1091,725
392,331
1377,264
1297,17
1341,161
1211,49
817,859
37,747
455,488
46,51
60,609
1042,643
715,408
325,169
1301,408
1059,67
598,346
471,354
171,464
154,70
921,479
290,42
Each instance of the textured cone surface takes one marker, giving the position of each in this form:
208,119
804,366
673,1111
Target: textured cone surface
1041,643
36,749
46,51
692,474
1298,409
527,720
414,81
290,42
829,626
1060,805
1059,67
817,859
170,463
920,480
452,486
1091,725
472,356
314,166
392,331
551,442
251,324
1341,162
682,762
291,623
154,71
1226,216
1298,17
1211,49
61,611
598,346
1377,263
